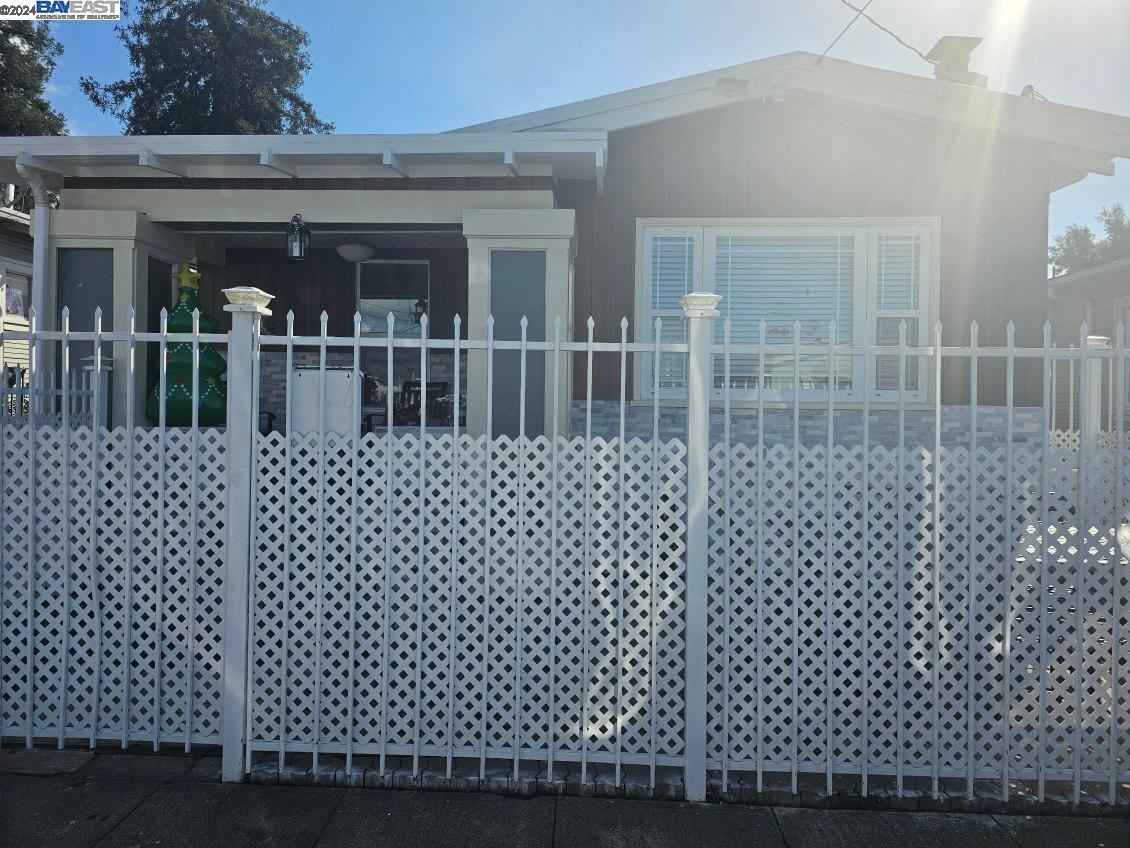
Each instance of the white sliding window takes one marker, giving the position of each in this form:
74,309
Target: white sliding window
864,277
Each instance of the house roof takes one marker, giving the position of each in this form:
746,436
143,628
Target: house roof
1109,280
1084,139
570,141
577,154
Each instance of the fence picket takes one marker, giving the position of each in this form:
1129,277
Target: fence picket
386,576
488,518
866,495
759,588
95,445
162,539
1081,543
194,509
1006,617
1118,525
936,570
421,483
1045,552
131,486
68,553
970,565
520,552
794,577
354,564
453,566
654,562
288,500
828,616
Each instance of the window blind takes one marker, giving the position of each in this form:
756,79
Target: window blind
672,271
781,280
897,286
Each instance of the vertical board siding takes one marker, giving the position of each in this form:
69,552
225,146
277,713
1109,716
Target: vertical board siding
805,159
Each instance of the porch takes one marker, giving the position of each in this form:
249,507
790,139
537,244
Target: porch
397,280
458,223
413,274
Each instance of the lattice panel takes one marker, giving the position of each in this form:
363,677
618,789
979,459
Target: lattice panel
121,603
511,598
522,599
1019,660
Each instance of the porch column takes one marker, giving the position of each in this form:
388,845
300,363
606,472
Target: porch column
519,261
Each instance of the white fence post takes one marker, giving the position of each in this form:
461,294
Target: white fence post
1090,418
700,309
247,307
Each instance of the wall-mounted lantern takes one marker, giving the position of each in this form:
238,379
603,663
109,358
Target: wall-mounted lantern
297,239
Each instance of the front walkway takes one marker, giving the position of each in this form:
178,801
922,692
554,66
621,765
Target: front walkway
78,798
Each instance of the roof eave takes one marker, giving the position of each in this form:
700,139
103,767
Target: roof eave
923,98
1111,279
572,154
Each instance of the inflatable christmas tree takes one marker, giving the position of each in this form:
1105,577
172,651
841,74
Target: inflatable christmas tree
212,398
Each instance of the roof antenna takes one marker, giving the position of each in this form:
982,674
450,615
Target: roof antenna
951,57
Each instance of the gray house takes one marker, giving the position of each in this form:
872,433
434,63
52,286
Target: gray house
797,189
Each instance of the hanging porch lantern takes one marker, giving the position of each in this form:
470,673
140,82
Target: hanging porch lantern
297,238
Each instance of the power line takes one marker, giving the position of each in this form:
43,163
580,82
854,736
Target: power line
843,32
861,13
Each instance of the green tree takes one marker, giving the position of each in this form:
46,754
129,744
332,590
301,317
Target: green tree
28,53
1077,247
210,66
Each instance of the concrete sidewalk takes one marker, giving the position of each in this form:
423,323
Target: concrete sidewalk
112,800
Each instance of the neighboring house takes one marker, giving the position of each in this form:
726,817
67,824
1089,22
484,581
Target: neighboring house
15,275
1099,297
797,190
15,258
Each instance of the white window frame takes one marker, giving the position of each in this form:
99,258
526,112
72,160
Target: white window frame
8,266
865,310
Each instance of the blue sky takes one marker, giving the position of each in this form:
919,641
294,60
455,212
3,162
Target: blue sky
438,64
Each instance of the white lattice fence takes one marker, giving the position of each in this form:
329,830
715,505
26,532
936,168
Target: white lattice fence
525,604
110,625
869,652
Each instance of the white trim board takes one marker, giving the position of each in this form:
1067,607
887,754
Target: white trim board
562,154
